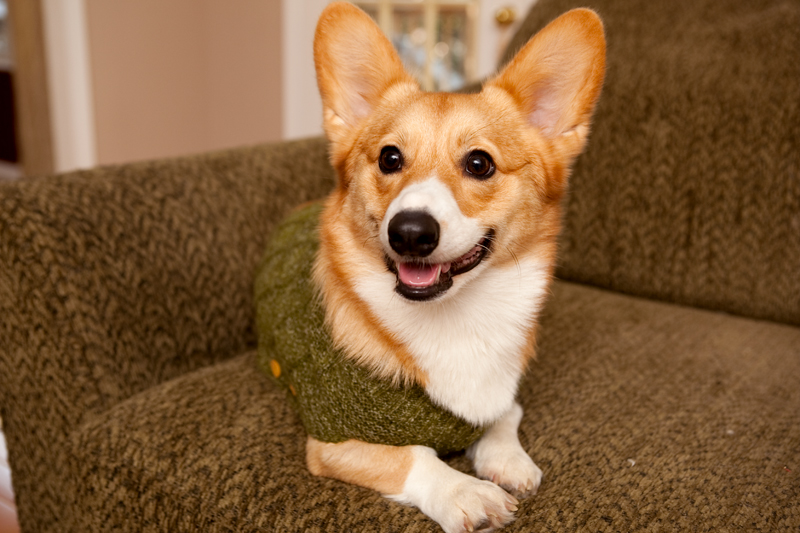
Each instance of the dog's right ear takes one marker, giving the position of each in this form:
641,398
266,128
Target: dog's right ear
356,64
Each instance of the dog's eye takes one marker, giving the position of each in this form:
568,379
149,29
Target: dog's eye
479,165
391,160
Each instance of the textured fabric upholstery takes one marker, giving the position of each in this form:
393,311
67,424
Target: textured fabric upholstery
689,190
116,279
131,399
639,413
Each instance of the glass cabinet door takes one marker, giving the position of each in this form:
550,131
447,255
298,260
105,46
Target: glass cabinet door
432,37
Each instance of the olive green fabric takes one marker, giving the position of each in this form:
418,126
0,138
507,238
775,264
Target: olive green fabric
689,188
337,399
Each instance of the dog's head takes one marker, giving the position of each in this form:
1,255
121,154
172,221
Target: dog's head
438,186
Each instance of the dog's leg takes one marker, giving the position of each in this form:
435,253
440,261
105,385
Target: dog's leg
414,475
375,466
499,457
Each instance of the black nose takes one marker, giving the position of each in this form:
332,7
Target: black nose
414,233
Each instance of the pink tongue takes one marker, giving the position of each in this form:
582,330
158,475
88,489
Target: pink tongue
417,275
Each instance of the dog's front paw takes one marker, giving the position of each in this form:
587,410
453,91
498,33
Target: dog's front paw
458,502
472,505
499,457
510,467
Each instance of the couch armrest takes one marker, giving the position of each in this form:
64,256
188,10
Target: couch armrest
115,279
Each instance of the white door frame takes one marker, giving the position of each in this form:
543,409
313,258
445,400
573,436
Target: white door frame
302,106
492,39
69,84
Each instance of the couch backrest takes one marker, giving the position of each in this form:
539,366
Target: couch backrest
689,190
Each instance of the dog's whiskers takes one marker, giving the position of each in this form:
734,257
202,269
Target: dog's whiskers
516,262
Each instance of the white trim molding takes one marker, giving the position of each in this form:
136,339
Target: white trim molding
302,106
70,84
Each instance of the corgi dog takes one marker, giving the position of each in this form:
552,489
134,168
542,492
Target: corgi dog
438,243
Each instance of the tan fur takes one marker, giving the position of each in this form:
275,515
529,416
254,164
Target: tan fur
379,467
533,118
354,329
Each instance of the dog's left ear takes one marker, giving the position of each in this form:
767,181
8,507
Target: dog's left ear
356,64
557,76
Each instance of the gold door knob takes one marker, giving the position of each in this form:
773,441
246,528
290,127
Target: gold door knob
505,16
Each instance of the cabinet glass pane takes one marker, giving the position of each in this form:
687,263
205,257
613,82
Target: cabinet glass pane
433,38
450,50
409,38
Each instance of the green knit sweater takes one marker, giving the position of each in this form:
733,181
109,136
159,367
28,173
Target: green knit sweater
337,399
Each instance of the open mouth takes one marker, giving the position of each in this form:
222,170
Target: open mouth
418,280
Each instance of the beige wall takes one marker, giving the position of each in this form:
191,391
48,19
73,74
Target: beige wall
183,76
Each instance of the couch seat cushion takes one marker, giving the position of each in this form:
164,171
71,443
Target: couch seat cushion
641,414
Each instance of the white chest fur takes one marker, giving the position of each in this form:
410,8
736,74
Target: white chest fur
469,342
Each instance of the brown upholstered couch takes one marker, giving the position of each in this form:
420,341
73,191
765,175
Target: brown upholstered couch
666,396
